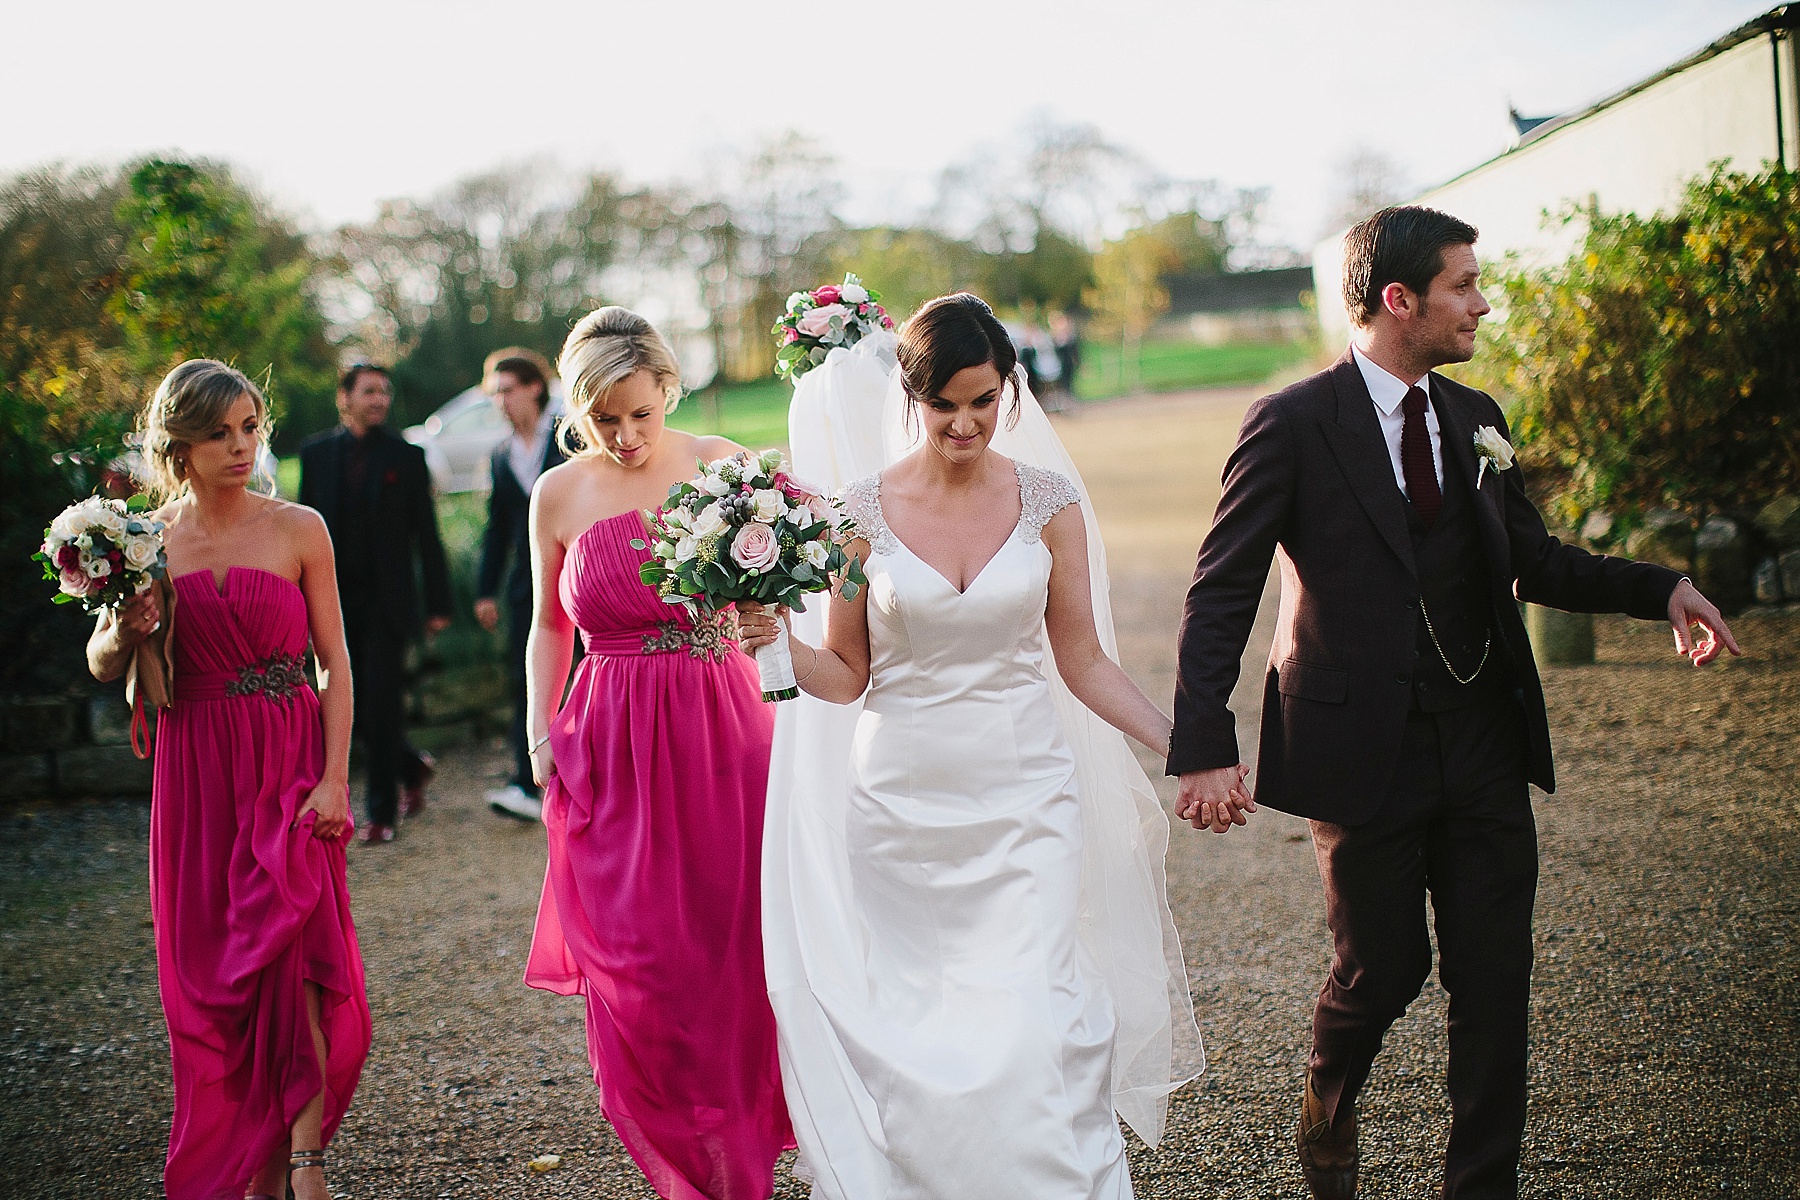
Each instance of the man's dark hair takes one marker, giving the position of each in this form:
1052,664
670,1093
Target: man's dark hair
347,382
1403,244
526,366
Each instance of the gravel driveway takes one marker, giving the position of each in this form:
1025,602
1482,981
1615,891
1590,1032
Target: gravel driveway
1665,1025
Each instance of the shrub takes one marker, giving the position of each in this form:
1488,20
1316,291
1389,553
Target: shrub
1660,365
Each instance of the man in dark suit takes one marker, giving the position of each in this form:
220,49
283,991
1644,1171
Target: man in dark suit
374,491
1402,713
519,382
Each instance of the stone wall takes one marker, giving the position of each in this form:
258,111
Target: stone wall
69,746
1735,563
77,746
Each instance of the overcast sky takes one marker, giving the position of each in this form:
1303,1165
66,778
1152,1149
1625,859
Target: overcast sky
332,105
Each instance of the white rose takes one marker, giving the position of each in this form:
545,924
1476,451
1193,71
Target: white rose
769,505
712,484
67,524
708,521
678,518
1490,445
84,541
686,548
815,554
97,568
852,293
144,584
140,551
111,520
798,300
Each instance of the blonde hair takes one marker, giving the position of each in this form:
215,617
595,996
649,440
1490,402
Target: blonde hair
189,404
607,347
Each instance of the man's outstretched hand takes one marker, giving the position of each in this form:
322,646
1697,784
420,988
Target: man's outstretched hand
1688,608
1215,799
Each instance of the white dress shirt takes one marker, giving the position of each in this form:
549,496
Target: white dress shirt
526,457
1387,392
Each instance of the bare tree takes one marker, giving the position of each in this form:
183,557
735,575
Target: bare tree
1363,182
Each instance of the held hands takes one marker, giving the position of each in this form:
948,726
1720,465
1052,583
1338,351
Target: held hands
1215,799
330,805
1688,608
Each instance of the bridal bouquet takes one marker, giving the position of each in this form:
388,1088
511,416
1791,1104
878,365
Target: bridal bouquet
99,552
817,322
745,529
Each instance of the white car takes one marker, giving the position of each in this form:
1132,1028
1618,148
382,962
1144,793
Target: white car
461,434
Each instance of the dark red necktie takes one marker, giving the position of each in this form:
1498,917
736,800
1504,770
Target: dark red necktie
1415,458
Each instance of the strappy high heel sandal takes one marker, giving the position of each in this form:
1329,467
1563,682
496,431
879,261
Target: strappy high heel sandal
299,1160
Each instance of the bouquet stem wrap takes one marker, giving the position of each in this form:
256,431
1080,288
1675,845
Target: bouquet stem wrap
776,663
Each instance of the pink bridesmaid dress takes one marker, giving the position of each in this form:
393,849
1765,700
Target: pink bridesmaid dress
651,906
247,909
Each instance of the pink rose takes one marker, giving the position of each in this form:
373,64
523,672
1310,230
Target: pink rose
819,507
828,294
817,323
755,548
790,336
74,581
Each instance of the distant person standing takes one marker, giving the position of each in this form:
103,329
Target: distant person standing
519,382
374,491
1067,341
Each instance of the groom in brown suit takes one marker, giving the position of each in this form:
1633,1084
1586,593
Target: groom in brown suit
1402,713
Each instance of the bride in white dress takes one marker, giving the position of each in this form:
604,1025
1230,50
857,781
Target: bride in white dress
970,957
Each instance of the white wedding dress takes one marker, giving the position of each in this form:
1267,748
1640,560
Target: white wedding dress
969,955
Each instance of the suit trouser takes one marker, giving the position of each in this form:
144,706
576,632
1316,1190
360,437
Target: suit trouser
1456,824
378,667
518,631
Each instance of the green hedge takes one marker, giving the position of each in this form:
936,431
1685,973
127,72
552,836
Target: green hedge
1659,366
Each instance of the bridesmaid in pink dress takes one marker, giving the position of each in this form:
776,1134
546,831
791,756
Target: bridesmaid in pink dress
654,771
257,961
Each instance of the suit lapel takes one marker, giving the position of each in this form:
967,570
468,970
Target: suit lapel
1456,439
1362,454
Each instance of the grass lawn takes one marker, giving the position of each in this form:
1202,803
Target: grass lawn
1176,366
754,415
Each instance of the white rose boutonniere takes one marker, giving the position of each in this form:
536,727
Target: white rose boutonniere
1491,450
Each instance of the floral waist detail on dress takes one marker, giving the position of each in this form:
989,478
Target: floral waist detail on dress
278,677
711,638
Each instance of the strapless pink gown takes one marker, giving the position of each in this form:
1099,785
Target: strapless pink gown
651,905
247,910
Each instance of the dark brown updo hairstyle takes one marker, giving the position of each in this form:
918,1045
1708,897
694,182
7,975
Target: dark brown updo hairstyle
950,334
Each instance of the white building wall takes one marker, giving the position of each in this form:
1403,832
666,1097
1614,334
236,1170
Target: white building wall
1636,155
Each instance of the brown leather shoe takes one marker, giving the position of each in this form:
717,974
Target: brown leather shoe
1327,1148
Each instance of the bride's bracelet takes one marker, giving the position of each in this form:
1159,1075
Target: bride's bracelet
809,666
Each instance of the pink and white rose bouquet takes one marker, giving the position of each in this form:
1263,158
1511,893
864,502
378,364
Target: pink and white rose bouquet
745,529
99,552
819,321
